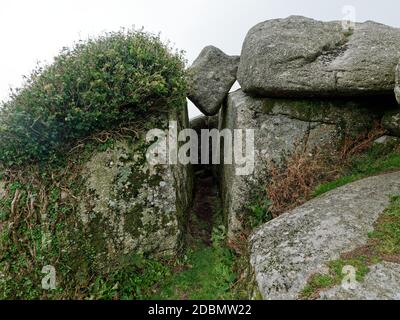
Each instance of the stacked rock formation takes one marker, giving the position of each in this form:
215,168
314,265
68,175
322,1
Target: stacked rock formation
306,83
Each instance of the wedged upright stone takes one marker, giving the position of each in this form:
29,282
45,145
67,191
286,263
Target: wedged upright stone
302,57
211,77
287,251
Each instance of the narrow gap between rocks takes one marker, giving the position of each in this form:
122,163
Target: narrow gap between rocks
206,270
205,205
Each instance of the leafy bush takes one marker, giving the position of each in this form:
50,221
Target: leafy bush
96,85
218,236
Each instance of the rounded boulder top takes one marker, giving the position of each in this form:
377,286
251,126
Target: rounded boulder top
302,57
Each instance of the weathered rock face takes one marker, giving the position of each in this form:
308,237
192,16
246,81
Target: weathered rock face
130,206
302,57
210,78
282,126
287,251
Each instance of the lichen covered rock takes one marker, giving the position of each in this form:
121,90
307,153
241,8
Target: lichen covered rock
132,206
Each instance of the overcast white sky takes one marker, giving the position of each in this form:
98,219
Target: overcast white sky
36,30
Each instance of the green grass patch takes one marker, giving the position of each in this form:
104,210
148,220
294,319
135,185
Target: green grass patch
386,235
135,282
259,212
205,272
207,275
319,282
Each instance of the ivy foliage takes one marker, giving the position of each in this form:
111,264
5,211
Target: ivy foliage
96,85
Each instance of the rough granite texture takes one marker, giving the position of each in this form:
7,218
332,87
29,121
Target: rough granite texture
211,77
286,251
281,127
381,283
131,207
302,57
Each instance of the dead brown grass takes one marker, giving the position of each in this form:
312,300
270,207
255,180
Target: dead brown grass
352,147
291,184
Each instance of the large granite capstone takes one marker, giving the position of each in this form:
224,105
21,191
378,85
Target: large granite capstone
302,57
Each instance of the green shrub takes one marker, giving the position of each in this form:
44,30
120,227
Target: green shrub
96,85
